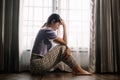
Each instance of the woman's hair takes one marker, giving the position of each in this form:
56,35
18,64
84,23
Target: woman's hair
53,17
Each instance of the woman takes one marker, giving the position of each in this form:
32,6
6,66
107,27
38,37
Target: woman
45,55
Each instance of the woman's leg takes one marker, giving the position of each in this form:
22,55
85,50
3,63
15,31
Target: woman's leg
41,65
74,66
56,55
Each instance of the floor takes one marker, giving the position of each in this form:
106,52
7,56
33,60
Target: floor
57,76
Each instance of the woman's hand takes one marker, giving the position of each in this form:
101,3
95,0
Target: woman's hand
63,23
68,52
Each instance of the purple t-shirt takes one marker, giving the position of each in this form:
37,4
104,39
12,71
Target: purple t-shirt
43,43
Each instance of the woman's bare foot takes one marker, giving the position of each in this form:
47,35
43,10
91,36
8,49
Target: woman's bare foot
82,73
79,71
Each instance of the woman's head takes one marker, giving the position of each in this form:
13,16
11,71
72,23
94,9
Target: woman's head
53,18
54,21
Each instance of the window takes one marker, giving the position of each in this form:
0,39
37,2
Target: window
76,13
33,14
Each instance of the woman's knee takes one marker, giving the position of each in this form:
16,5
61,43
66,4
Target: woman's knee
63,48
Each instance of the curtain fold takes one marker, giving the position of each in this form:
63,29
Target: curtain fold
9,55
105,39
1,45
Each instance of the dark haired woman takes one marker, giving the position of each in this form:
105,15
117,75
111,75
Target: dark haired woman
45,56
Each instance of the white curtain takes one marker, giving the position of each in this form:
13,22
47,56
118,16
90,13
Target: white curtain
77,18
33,14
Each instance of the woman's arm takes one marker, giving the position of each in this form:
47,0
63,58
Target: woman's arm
64,39
60,41
64,31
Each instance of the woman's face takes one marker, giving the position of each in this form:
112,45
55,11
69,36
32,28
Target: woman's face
56,25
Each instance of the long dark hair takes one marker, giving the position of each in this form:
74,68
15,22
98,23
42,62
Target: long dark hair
52,17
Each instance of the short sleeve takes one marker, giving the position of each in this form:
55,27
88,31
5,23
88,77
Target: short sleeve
50,34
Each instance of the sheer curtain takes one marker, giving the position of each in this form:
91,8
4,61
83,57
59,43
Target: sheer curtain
105,39
33,14
77,18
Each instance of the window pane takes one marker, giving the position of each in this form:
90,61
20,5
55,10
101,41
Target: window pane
30,15
77,16
86,4
47,3
75,4
64,4
25,16
74,12
46,13
35,13
38,13
26,2
38,3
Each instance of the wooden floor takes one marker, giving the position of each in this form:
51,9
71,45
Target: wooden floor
57,76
